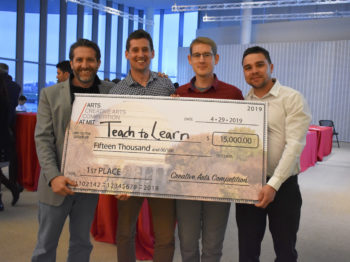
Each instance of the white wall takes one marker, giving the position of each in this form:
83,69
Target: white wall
320,70
293,31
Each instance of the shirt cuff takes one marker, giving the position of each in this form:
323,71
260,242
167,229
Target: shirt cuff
275,183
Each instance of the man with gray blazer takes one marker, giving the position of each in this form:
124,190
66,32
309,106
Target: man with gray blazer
56,200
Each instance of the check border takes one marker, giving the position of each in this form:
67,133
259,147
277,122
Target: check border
65,167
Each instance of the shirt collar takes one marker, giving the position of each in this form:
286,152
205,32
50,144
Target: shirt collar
275,88
131,82
215,84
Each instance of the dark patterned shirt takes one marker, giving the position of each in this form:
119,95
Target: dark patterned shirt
156,86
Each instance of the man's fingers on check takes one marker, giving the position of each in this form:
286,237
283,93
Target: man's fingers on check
160,74
262,204
59,185
122,197
263,200
259,204
266,196
71,182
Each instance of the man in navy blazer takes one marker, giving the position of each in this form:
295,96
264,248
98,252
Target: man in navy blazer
56,200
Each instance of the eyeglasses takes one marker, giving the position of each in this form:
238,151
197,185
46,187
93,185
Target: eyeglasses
206,55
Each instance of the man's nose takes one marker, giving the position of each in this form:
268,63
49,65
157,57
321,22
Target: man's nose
254,69
84,63
140,53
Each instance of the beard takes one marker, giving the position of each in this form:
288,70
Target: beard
261,84
85,78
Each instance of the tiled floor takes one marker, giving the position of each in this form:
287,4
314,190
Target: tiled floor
324,233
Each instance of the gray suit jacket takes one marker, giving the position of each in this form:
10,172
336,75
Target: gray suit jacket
54,111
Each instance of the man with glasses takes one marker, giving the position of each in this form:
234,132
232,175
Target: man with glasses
195,217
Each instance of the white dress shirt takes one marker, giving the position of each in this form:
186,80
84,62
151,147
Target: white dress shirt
288,121
21,108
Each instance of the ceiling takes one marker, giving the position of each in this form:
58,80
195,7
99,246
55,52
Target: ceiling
300,9
167,4
338,9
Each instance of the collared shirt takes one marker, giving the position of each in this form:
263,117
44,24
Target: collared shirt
21,108
218,89
156,86
288,121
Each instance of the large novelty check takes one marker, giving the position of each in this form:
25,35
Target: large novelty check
185,148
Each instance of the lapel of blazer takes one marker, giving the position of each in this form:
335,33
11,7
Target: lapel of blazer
66,101
103,89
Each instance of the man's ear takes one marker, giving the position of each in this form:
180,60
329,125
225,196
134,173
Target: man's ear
189,57
216,59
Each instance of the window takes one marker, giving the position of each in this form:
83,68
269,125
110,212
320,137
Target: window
191,22
8,20
155,38
125,36
31,53
30,85
8,23
71,26
114,35
53,27
101,38
31,31
51,72
136,22
170,40
170,45
87,23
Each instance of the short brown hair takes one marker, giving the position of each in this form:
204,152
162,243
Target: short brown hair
85,43
64,66
257,50
139,34
206,41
